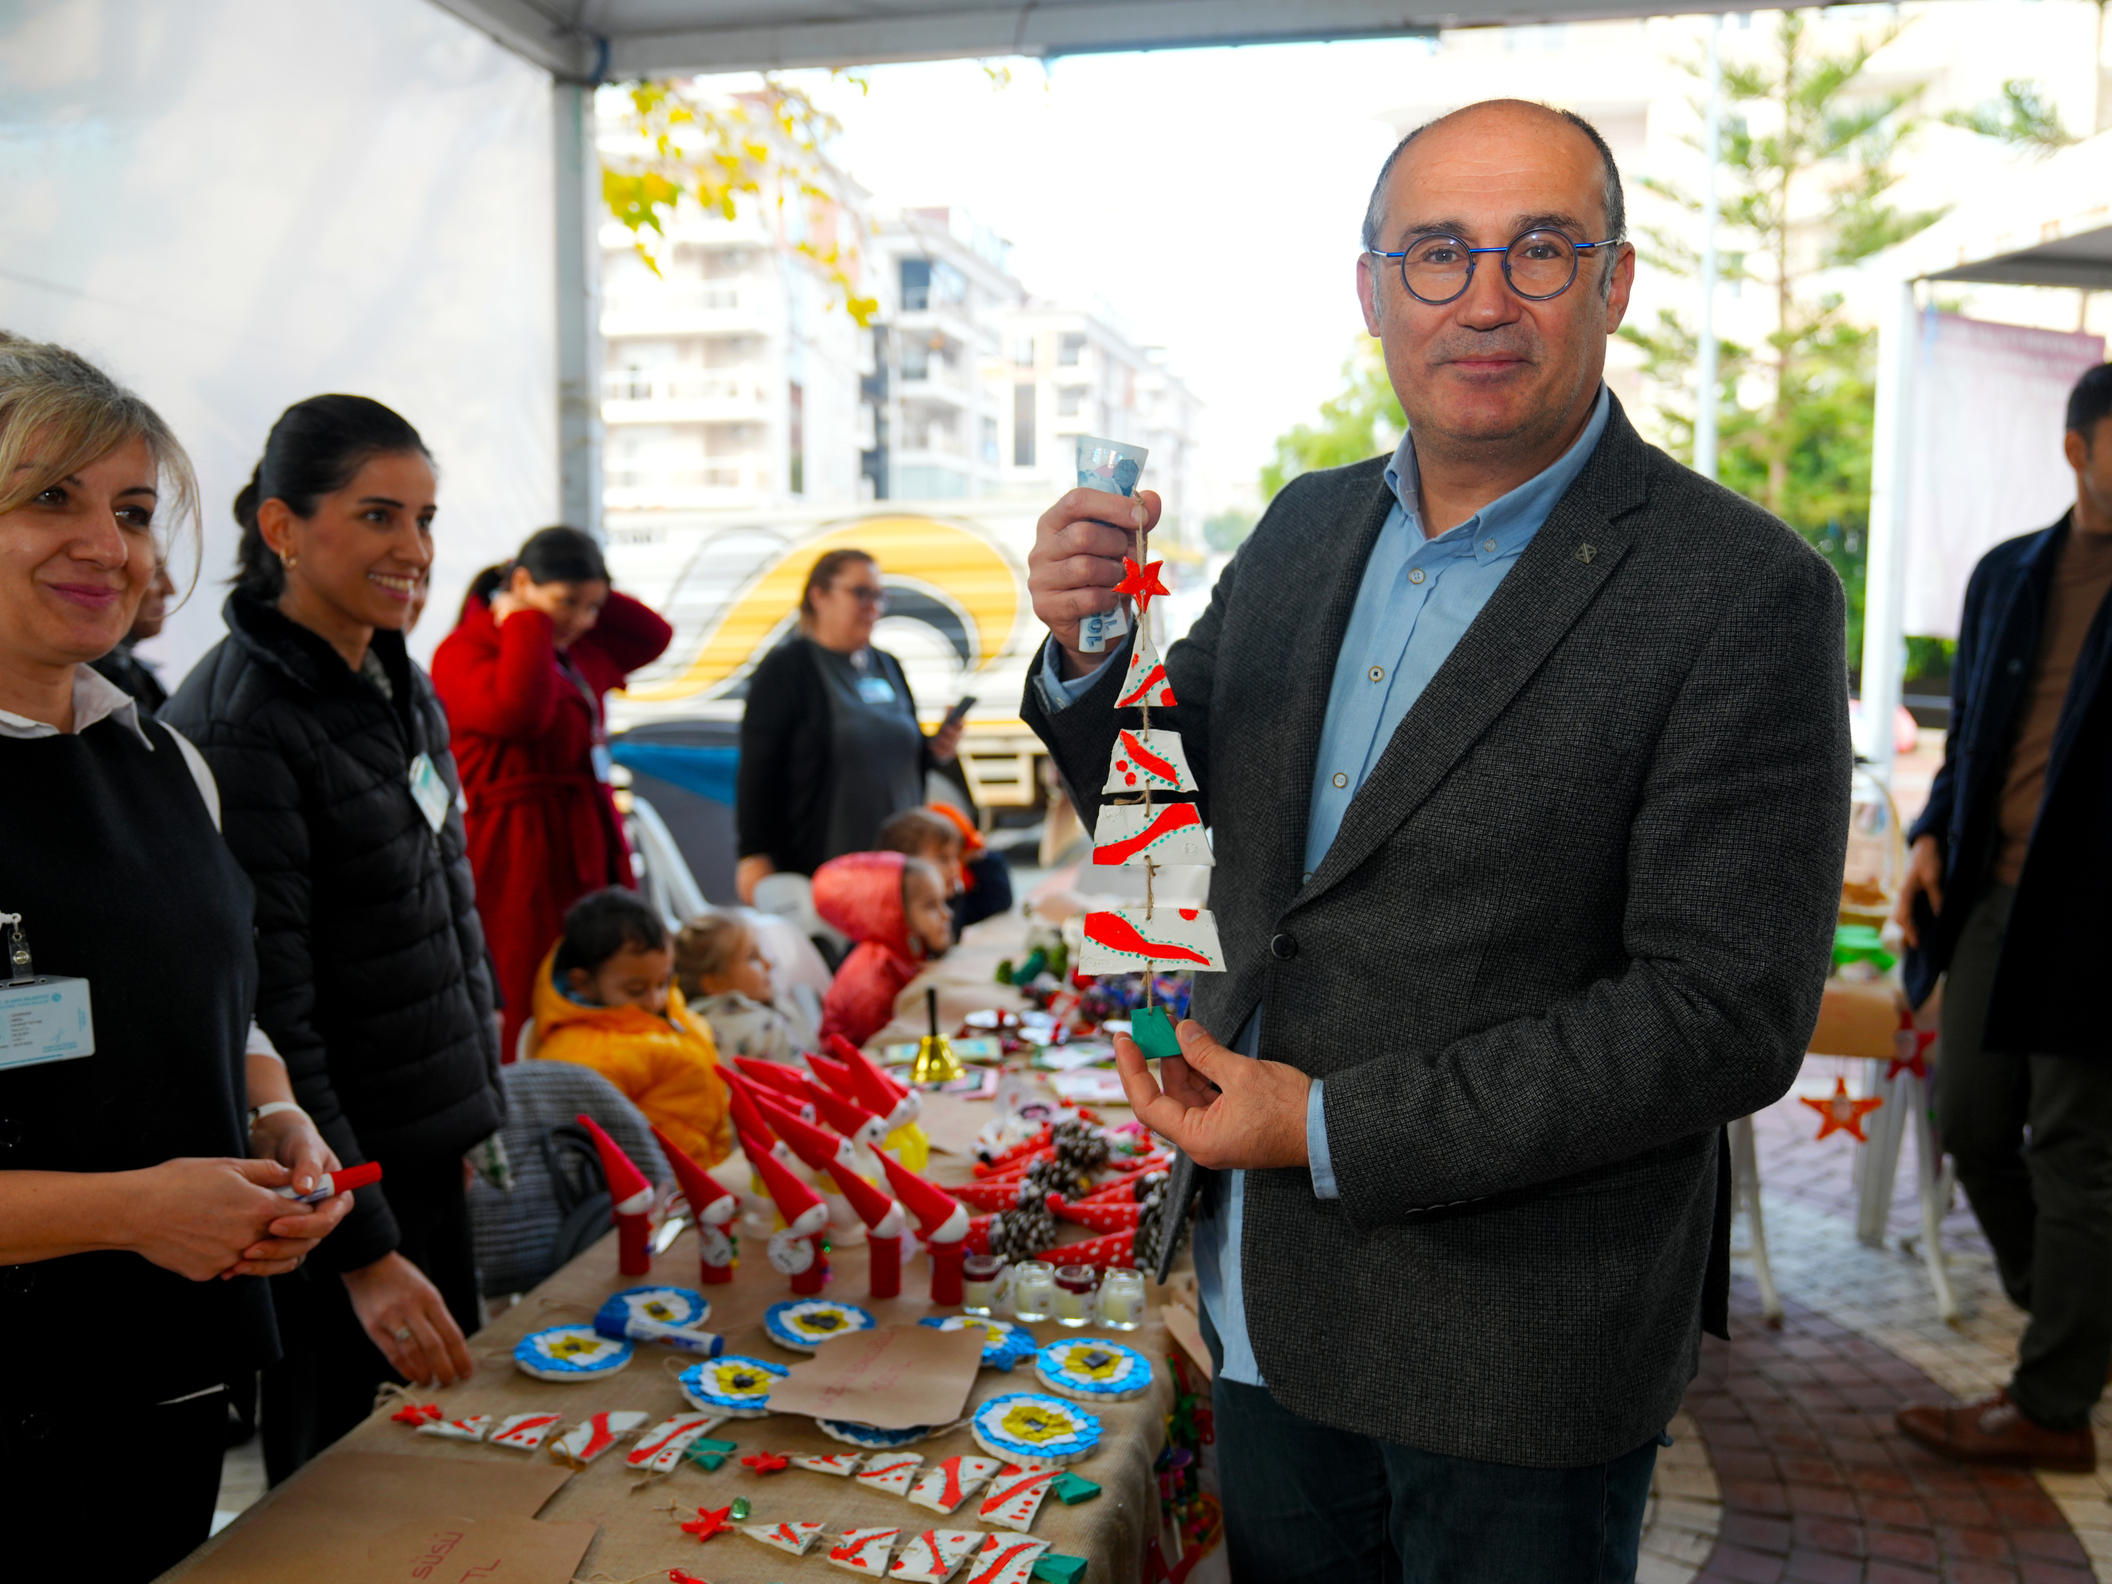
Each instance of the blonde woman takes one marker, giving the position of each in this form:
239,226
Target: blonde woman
137,1177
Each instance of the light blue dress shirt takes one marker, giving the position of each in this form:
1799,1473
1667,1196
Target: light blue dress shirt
1417,599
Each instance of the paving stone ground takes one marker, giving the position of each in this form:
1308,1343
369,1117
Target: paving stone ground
1796,1462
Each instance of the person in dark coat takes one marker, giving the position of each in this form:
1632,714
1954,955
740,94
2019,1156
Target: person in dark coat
123,666
2004,896
343,805
830,745
133,1188
523,675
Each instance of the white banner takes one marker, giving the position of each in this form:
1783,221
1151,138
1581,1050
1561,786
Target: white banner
1986,411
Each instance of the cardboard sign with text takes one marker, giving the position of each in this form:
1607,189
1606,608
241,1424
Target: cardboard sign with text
897,1377
493,1549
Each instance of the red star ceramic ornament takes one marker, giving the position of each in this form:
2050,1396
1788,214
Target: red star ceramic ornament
1839,1114
1910,1053
677,1576
418,1414
767,1462
710,1521
1141,583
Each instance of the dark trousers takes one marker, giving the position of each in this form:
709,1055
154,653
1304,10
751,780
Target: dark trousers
1306,1502
67,1517
325,1383
2032,1137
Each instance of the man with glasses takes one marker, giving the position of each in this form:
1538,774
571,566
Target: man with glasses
1525,754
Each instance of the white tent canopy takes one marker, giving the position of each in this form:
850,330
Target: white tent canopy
2050,226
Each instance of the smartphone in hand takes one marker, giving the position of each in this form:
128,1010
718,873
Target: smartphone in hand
958,713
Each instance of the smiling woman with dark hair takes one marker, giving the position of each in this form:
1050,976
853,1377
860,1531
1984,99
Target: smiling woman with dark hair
342,804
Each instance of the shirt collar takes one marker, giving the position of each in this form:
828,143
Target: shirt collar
1507,524
95,698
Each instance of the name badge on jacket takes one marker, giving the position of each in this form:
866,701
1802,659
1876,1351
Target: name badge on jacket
45,1020
876,690
430,792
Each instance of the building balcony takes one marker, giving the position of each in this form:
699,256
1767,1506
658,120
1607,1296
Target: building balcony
733,482
681,308
655,396
940,388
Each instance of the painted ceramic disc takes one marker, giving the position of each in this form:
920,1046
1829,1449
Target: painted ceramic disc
1092,1370
805,1323
1007,1343
675,1306
871,1435
570,1353
1030,1428
735,1386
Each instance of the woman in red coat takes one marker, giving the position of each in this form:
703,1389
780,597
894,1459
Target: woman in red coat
523,674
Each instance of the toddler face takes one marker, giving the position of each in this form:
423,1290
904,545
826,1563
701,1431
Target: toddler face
633,977
930,921
946,857
747,970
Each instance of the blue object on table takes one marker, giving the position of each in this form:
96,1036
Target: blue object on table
708,772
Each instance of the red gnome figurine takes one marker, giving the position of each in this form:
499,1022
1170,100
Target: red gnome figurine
630,1197
942,1220
884,1222
793,1250
712,1207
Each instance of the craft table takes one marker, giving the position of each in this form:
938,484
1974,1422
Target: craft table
639,1535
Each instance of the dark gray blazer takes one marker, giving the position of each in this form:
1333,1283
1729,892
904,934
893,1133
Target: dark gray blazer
1575,921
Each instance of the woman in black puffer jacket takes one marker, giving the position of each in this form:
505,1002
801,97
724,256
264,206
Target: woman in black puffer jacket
340,800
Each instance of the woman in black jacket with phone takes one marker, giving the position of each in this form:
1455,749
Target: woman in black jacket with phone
342,804
830,745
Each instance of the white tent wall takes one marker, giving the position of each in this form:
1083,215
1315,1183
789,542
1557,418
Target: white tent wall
1987,406
234,204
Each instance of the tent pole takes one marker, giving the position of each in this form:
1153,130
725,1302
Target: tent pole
1705,400
579,354
1885,583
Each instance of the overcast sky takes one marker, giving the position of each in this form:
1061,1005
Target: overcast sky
1211,196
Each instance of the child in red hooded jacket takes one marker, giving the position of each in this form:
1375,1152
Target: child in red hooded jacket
895,908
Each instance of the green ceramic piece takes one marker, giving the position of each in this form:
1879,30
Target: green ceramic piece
1057,1568
1152,1029
1071,1489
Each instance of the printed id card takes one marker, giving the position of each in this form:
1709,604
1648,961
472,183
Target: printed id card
45,1020
430,792
876,690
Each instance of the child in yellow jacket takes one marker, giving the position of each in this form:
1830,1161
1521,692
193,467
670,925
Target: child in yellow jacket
604,998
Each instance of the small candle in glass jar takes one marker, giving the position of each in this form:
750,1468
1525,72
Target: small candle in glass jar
1033,1289
1122,1300
982,1283
1074,1293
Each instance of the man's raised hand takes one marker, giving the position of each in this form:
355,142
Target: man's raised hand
1224,1109
1077,561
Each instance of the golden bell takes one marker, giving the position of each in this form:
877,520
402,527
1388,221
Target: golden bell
936,1062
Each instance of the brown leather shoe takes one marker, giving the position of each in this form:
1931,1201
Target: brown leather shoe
1993,1430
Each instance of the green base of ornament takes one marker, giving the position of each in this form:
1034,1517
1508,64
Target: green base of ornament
1152,1029
1071,1489
1056,1568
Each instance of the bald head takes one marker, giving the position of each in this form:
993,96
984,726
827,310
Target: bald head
1510,113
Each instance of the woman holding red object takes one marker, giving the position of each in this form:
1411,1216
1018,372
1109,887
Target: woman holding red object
540,641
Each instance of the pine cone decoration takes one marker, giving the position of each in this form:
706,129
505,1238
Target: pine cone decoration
1161,1220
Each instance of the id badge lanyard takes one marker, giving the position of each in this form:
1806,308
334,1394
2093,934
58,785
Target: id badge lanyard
41,1020
598,755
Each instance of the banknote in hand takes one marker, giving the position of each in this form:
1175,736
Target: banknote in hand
1114,467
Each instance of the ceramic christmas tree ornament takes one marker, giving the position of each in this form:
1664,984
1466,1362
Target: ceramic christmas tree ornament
570,1353
1004,1346
474,1429
661,1447
630,1201
944,1486
583,1443
863,1551
796,1538
525,1432
1145,680
712,1209
804,1324
932,1556
872,1436
1004,1559
841,1464
1032,1428
1091,1370
1014,1496
1149,761
1166,833
889,1473
1132,939
735,1386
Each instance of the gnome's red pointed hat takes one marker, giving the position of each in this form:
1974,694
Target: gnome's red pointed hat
849,1118
877,1092
711,1204
831,1072
941,1218
816,1146
630,1190
800,1205
740,1102
776,1078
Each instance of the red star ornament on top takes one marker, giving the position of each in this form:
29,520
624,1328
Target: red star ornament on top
710,1521
1141,583
1910,1053
1839,1114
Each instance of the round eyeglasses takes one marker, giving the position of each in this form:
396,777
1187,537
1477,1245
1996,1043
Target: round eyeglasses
1538,264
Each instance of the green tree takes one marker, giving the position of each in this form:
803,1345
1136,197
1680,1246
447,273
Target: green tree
770,147
2023,117
1809,194
1364,419
1225,531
